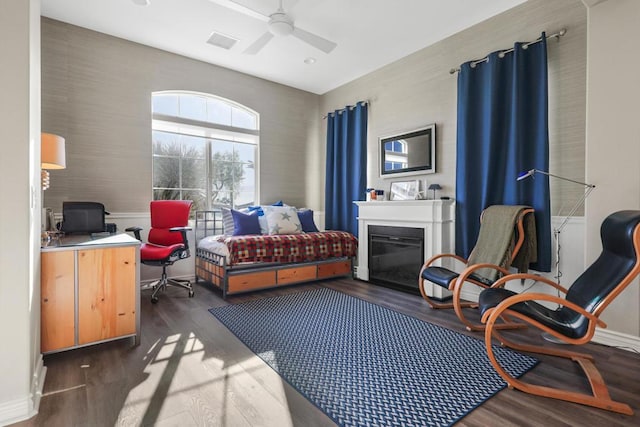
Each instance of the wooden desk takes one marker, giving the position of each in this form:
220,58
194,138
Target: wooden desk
90,291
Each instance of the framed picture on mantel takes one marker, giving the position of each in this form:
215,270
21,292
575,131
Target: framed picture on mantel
404,190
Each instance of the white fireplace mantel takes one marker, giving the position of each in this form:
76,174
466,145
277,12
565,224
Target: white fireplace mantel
435,217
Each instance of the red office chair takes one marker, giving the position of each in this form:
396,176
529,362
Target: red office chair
167,241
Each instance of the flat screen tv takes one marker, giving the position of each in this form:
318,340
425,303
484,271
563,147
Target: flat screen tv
408,153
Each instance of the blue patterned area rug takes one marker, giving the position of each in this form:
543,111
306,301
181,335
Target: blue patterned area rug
366,365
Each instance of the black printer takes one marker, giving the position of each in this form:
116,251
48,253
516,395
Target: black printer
84,218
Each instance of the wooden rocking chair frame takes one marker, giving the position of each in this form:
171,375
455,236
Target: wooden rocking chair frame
599,396
466,277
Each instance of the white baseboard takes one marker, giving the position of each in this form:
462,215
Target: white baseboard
14,410
24,408
37,383
617,339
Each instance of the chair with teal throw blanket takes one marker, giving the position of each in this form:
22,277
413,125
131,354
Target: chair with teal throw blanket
575,319
507,238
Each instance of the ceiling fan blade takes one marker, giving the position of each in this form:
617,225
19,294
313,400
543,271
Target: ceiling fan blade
246,10
316,41
257,45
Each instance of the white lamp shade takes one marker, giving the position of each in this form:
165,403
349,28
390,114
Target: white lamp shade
52,152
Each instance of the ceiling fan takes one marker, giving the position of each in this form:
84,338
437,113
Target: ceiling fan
278,24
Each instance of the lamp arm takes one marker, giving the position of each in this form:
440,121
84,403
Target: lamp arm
563,178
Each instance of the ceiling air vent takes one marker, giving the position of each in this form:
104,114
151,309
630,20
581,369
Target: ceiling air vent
221,40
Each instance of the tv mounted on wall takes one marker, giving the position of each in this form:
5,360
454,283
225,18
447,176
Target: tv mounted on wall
408,153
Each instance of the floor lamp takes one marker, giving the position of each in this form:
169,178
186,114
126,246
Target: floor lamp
557,230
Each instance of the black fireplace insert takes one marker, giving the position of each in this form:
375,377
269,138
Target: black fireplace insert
396,255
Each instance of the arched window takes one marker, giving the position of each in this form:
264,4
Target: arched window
205,149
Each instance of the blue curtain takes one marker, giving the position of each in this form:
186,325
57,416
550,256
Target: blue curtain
346,175
502,130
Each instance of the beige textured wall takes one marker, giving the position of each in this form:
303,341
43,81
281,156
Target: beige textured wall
418,90
96,92
613,136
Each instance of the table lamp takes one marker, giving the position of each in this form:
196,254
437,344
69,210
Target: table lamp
435,187
52,156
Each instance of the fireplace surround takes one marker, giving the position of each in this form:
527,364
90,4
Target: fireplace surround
431,221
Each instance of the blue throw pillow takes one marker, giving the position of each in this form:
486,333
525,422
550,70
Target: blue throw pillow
306,219
258,208
245,223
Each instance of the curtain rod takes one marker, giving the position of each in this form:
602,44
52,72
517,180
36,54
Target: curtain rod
365,102
557,35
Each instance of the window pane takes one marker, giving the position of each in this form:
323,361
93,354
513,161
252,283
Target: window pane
246,152
165,104
192,146
199,200
220,199
243,119
219,112
193,107
223,174
247,181
194,173
164,194
165,143
244,199
166,172
222,150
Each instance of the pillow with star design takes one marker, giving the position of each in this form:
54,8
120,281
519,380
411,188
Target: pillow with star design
282,220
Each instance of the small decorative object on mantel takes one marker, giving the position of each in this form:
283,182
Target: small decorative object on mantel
435,187
371,194
404,190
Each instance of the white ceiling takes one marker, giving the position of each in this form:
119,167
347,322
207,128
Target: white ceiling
369,33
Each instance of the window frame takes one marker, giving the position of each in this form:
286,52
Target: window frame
210,131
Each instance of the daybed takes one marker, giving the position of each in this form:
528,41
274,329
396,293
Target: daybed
244,263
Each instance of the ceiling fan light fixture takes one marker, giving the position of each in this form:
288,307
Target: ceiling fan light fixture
142,2
280,25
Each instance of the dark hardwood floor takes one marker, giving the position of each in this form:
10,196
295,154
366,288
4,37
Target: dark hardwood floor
189,370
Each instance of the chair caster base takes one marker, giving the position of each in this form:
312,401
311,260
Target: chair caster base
191,294
154,300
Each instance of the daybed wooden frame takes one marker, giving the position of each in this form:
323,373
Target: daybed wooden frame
213,268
